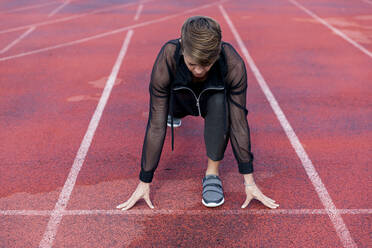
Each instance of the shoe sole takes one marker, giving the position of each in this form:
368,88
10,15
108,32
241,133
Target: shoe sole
169,125
213,204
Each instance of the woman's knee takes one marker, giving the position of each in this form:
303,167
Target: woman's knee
215,106
216,100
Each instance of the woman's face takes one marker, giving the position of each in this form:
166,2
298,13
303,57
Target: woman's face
198,71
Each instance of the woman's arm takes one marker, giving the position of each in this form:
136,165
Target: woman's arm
156,126
239,129
159,89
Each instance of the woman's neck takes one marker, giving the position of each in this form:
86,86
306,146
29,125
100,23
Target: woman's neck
197,80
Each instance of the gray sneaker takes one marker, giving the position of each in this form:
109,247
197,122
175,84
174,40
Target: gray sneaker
176,122
212,191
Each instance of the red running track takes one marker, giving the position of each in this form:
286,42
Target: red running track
47,99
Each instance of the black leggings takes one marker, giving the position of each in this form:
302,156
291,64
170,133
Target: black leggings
214,137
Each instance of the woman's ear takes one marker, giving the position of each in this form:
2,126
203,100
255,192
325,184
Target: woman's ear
181,50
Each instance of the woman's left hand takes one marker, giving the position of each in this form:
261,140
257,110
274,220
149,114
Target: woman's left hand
253,192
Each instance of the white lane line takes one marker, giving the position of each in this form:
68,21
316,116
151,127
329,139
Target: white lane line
26,212
31,29
325,198
139,10
68,18
64,197
17,40
65,194
367,1
115,31
55,11
186,212
335,30
29,7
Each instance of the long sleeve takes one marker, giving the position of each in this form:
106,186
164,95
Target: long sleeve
159,90
239,129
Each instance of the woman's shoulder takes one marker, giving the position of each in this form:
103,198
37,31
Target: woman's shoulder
231,55
170,50
174,42
171,46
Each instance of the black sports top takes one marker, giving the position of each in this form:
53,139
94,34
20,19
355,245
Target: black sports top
169,74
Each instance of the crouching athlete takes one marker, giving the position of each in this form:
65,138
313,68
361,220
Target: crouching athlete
199,75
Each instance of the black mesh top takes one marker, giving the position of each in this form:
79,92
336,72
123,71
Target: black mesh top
169,70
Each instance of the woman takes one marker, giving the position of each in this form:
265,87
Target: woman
199,75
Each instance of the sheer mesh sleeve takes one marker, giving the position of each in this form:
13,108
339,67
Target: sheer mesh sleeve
159,89
239,130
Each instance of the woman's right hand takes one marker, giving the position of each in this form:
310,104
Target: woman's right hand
142,191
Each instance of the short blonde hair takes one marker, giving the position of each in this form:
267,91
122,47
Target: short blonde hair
201,39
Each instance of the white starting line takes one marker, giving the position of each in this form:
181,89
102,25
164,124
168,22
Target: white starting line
186,212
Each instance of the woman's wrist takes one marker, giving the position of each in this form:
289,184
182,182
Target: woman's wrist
248,179
144,183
